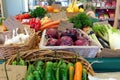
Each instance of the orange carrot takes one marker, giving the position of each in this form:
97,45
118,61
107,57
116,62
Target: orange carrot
54,26
48,25
78,71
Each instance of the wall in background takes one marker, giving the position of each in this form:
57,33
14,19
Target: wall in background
14,7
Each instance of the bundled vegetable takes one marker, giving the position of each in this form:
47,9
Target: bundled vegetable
51,24
35,24
38,12
81,21
93,36
45,20
110,36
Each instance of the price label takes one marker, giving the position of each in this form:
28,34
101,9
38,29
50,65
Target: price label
14,72
11,23
65,25
60,15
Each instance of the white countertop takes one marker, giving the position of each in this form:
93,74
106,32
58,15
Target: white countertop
107,76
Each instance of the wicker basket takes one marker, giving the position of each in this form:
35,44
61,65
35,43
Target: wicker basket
48,55
7,50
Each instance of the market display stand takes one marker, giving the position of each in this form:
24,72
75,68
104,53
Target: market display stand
106,10
101,65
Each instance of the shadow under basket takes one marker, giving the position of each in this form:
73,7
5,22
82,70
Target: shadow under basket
6,51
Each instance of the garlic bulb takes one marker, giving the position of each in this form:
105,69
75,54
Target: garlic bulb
7,41
17,38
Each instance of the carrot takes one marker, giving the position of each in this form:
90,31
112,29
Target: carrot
48,25
54,26
71,72
78,71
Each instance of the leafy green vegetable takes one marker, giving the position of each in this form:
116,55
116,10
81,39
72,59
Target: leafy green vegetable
108,33
101,30
81,20
38,12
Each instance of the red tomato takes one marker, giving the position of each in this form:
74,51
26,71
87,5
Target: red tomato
27,15
21,16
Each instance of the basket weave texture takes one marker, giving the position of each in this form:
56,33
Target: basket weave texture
52,55
7,50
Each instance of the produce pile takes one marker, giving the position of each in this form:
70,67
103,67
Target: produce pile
108,36
59,70
17,38
52,65
68,37
82,21
22,16
73,7
38,12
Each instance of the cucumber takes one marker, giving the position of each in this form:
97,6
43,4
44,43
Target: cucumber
84,74
49,71
58,70
63,71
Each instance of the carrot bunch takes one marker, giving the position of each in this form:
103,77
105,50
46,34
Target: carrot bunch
50,24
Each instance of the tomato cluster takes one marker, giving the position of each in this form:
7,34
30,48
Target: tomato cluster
22,16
